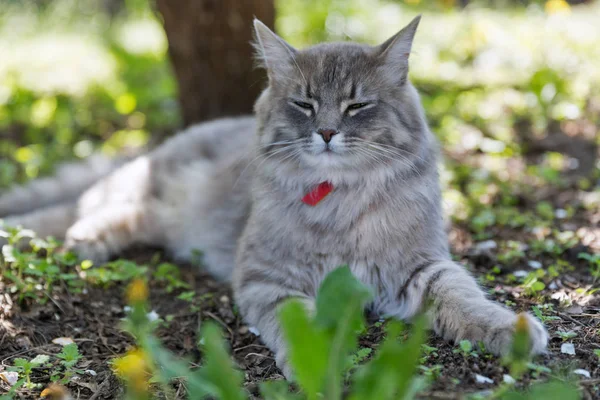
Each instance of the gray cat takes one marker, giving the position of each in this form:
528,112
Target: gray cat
338,167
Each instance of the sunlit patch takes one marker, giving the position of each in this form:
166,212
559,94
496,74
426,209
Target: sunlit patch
143,37
57,63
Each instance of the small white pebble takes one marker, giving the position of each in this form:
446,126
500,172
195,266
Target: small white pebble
127,309
520,273
560,213
152,315
483,379
84,291
63,341
534,264
582,372
224,299
254,331
91,372
567,348
9,377
560,296
552,286
508,379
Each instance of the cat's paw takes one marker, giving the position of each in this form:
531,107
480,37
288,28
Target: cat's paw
87,244
284,365
499,337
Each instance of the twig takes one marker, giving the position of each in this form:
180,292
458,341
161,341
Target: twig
250,345
569,318
100,387
258,355
219,320
18,353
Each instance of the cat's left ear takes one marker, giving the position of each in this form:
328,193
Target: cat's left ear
394,52
272,52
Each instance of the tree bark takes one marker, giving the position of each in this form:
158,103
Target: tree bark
209,47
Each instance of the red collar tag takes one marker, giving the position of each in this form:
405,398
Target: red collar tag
315,196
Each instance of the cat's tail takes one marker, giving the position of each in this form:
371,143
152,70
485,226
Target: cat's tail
67,184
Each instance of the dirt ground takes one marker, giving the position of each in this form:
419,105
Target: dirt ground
93,320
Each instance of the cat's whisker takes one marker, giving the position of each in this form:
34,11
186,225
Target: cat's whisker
389,147
266,156
381,156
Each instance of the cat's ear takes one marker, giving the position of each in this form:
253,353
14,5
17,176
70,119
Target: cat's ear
394,52
272,52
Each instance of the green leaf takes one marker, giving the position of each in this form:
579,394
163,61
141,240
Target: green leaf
466,346
339,289
318,349
277,390
69,354
390,375
544,391
308,347
226,382
168,368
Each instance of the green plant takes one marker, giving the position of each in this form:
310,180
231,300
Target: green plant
322,350
537,311
566,335
594,262
69,357
465,348
34,274
25,367
532,283
170,275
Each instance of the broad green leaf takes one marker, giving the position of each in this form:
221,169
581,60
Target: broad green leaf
545,391
69,354
218,369
390,374
340,304
308,347
277,390
339,292
168,368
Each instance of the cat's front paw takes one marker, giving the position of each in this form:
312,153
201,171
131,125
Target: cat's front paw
87,245
283,363
499,337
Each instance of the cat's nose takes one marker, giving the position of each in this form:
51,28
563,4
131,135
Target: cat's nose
326,134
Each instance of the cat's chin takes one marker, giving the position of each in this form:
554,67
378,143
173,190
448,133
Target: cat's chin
327,159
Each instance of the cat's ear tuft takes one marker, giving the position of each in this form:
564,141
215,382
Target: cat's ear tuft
272,52
395,51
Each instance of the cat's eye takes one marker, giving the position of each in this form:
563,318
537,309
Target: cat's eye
357,106
301,104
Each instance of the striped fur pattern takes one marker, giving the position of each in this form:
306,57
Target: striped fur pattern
232,188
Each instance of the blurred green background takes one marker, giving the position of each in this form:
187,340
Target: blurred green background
511,88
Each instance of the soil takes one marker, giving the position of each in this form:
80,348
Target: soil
93,319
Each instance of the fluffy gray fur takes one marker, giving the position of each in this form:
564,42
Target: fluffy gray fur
236,195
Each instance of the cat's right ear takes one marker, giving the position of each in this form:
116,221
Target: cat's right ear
272,52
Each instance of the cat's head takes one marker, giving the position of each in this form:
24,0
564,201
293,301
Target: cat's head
339,106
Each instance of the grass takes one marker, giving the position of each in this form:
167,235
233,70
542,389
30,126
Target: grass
516,111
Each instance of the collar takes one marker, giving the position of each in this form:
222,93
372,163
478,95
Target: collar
315,196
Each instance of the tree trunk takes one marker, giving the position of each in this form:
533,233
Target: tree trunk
209,47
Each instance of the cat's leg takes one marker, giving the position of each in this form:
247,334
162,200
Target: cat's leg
460,309
259,290
109,230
